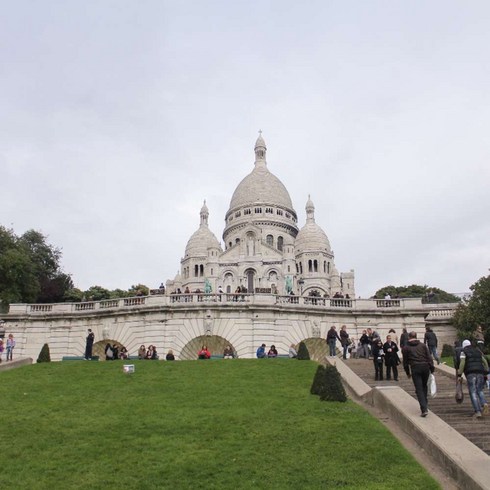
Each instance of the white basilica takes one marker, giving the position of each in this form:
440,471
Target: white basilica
264,250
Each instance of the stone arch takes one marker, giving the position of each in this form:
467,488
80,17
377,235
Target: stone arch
98,348
317,347
215,343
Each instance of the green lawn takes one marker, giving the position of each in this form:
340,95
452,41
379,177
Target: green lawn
190,424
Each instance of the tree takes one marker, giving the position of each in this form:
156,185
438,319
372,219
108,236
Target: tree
328,385
30,270
303,354
428,294
44,355
139,290
474,311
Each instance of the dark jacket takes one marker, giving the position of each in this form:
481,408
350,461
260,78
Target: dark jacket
344,336
416,355
472,362
403,340
391,354
332,334
430,338
364,339
378,353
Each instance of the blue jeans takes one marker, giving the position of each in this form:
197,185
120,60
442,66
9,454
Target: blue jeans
331,346
476,383
433,351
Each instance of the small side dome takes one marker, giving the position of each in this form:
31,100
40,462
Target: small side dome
203,239
311,238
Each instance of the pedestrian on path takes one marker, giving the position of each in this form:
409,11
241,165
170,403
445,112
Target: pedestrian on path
344,341
332,337
378,359
10,347
418,365
89,344
475,368
391,358
430,339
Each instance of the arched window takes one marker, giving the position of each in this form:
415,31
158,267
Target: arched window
328,267
201,270
280,242
310,266
196,270
237,241
301,267
315,265
270,240
297,268
324,266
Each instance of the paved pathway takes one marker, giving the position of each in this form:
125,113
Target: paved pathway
458,416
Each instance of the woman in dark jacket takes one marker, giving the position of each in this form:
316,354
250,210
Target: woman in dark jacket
378,358
344,341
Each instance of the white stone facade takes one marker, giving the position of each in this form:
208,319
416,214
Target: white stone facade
277,266
264,250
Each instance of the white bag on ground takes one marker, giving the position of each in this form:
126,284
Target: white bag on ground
432,385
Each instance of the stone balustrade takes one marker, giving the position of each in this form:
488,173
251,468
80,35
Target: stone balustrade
434,312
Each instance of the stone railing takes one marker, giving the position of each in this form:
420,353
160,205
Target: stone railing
433,312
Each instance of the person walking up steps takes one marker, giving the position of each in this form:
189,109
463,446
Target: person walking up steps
475,367
418,365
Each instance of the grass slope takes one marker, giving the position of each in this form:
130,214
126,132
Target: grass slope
195,424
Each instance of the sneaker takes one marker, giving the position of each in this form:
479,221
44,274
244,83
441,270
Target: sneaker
424,413
477,415
485,409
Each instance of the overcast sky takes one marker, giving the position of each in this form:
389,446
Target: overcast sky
118,118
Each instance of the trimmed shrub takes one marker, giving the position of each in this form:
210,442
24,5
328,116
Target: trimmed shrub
303,354
44,354
328,385
447,351
319,381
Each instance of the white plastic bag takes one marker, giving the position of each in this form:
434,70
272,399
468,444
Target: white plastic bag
432,386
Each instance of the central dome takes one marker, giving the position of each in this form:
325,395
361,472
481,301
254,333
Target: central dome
260,186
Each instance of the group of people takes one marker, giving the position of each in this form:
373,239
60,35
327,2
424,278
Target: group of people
8,346
113,352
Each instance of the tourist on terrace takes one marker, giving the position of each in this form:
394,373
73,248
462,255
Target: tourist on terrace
418,365
403,339
123,354
170,355
89,344
109,353
10,347
293,353
228,352
391,358
353,348
474,366
204,353
344,341
364,341
261,352
272,351
154,354
378,359
332,337
1,349
430,339
142,352
149,352
393,335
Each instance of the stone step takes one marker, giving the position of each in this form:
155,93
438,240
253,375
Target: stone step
458,416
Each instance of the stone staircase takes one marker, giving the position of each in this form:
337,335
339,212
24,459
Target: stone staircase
458,416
